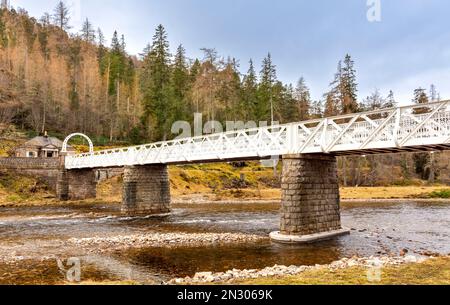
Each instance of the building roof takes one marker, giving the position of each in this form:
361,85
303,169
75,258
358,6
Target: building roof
45,142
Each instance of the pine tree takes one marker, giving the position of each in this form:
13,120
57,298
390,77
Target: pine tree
229,93
194,72
87,31
61,16
123,44
317,111
390,100
349,86
331,107
115,44
250,93
288,104
46,19
180,85
334,98
420,97
433,93
266,108
155,85
342,98
374,101
303,99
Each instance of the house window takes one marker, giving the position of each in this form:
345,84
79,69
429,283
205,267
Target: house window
31,154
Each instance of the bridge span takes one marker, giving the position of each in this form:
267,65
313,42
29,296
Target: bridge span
310,190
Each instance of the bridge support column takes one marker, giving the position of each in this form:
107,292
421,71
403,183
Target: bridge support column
146,190
79,184
310,199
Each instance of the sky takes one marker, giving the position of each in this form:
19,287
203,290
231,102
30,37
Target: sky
407,47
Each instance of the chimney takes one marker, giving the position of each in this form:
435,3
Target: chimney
46,134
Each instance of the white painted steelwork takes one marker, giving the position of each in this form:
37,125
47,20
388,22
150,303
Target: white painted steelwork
66,142
410,128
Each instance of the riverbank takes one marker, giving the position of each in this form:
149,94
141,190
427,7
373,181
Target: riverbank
213,183
361,271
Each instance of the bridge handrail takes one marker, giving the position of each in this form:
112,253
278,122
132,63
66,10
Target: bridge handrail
251,130
340,130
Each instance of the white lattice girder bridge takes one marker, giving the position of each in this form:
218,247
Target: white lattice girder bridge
411,128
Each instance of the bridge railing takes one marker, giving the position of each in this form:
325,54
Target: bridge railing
416,125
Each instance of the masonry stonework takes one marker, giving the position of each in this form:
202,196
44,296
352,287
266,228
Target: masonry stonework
79,184
146,190
310,195
44,169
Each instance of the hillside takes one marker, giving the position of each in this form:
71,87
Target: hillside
54,81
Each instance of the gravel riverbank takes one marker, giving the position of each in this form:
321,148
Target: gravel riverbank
282,271
170,240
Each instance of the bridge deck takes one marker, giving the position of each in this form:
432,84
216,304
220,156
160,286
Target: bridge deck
411,128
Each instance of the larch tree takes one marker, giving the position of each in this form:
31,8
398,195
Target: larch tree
374,101
88,31
61,16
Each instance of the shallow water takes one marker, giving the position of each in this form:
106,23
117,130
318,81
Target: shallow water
37,235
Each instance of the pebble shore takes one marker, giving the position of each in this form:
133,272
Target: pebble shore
170,240
282,271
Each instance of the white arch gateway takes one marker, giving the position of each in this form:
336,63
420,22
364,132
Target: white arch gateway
66,142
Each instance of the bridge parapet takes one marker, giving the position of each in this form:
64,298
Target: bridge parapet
418,127
29,163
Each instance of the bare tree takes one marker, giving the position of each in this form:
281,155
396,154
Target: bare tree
61,16
88,31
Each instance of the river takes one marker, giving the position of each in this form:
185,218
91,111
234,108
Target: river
31,238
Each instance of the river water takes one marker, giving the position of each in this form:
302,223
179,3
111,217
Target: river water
31,238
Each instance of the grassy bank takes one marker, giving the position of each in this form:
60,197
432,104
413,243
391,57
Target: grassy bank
432,272
20,189
212,182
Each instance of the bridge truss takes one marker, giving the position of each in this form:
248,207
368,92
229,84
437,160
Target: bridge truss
410,128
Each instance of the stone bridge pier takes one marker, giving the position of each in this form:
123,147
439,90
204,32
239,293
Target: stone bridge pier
77,184
146,190
310,199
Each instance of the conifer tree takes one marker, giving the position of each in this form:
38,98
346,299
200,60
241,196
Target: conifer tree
420,97
316,111
288,104
193,74
349,87
342,98
250,93
61,16
180,85
303,99
265,109
88,31
390,100
155,85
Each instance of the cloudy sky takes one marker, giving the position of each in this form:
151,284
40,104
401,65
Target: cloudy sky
408,48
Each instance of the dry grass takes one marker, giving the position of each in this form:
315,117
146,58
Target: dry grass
392,192
432,272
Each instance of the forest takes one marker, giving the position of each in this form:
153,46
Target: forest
58,79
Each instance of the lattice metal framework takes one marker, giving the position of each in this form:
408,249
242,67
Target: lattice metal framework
419,127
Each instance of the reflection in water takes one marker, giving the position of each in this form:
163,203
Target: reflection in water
37,234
